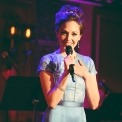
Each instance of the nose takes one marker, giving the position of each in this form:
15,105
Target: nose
69,37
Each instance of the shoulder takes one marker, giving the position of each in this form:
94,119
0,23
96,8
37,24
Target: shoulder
88,62
48,57
85,59
46,63
51,60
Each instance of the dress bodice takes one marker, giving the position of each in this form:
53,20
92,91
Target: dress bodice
75,91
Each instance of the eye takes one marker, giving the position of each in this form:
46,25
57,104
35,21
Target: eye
74,34
63,33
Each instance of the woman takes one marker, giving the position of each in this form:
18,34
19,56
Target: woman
64,97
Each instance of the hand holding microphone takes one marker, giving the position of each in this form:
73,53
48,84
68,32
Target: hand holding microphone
71,66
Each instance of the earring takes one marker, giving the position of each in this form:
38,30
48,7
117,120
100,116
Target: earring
78,44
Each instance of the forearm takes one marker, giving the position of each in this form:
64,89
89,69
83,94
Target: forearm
92,90
55,95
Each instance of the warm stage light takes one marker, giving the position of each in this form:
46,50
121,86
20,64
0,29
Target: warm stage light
28,33
12,34
12,30
20,31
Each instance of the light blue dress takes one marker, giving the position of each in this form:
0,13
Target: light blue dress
74,92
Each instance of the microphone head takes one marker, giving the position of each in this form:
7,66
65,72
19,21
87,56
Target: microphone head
69,50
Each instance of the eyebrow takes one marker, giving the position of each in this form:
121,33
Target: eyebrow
67,31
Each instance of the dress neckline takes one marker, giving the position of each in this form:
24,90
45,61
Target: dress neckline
58,52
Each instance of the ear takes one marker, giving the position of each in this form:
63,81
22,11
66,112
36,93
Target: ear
80,37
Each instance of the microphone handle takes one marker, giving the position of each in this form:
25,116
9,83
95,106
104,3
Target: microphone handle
69,50
71,70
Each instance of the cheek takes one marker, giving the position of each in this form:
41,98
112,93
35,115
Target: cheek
75,42
61,38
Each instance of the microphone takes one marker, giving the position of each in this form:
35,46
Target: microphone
71,66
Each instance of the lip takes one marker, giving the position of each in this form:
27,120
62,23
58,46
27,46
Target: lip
68,43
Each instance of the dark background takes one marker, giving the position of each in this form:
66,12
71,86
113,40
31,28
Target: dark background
101,41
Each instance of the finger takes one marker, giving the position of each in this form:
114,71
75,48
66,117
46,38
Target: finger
81,63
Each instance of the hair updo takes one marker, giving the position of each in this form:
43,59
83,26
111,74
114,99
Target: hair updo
69,13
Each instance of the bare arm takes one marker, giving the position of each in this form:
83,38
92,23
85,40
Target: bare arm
92,92
54,93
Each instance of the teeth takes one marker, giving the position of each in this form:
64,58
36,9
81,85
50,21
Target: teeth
68,43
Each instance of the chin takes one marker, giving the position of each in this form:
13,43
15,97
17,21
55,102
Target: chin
69,45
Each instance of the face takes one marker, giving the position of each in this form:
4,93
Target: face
68,34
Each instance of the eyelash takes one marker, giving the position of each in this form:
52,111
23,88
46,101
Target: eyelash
62,33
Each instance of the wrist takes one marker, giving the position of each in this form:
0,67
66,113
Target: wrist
59,86
66,72
87,76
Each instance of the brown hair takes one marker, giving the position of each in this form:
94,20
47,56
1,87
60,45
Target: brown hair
69,13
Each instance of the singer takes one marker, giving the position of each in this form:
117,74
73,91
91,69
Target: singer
64,97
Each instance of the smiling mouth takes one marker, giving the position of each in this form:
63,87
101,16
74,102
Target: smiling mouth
68,43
